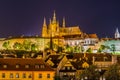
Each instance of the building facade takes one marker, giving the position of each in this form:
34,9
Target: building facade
53,29
25,69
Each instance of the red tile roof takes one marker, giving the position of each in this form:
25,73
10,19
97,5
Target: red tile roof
11,64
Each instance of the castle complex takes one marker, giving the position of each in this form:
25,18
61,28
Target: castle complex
53,29
61,53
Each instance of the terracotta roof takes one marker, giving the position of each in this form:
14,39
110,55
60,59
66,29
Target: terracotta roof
92,36
98,56
11,64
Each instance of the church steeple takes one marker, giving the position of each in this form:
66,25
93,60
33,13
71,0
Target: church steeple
54,17
117,34
49,21
44,29
63,25
44,23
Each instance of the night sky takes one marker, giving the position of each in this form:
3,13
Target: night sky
25,17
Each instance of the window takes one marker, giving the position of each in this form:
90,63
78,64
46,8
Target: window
17,75
5,66
30,76
11,75
24,75
64,74
27,66
17,65
3,75
37,66
48,75
68,68
42,66
40,75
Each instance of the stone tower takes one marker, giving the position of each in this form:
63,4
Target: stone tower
44,29
117,34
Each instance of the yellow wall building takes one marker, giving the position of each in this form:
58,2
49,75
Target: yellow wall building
25,69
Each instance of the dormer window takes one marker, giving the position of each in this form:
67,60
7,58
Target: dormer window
17,65
27,66
37,66
42,66
5,66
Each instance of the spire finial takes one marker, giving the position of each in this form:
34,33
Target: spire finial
117,30
63,22
50,21
54,17
117,34
44,23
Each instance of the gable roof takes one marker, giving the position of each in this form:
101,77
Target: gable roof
11,64
55,59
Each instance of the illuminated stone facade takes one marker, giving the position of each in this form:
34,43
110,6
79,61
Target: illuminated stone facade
117,34
25,69
54,29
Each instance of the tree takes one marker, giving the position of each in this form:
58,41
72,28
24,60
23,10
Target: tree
34,47
113,48
6,44
17,46
102,47
89,50
90,73
27,44
113,72
77,49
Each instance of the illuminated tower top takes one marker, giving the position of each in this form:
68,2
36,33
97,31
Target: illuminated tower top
63,25
44,29
117,34
44,23
54,18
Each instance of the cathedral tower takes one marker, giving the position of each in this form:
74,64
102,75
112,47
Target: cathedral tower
53,26
44,29
63,25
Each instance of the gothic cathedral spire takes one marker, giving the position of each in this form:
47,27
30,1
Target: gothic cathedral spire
117,34
44,23
44,29
54,17
63,25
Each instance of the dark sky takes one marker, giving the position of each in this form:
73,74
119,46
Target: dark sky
25,17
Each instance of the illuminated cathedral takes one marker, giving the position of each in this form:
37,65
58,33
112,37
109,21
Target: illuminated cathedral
53,29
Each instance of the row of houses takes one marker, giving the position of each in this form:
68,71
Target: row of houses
69,67
65,67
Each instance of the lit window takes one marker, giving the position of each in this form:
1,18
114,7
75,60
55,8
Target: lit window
3,75
64,74
48,75
17,75
11,75
68,68
42,66
30,76
5,66
27,66
40,75
37,66
24,75
17,65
